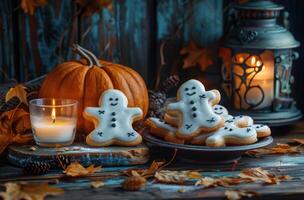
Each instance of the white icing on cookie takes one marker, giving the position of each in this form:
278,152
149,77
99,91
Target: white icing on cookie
240,120
220,110
162,125
163,130
113,120
194,110
232,135
237,121
262,130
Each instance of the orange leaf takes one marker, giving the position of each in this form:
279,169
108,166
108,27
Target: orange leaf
259,174
75,169
176,177
223,181
17,91
298,140
14,128
37,191
196,55
97,184
29,6
278,149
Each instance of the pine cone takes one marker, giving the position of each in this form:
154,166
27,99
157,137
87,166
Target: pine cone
133,183
36,168
62,161
169,83
156,100
156,103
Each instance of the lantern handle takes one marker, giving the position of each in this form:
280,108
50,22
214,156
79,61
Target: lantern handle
92,59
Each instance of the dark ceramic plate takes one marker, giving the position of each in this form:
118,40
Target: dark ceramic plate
204,154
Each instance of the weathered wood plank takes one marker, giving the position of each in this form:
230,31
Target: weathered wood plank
7,69
43,38
84,154
120,36
178,23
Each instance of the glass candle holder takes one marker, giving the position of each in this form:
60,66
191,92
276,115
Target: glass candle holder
53,121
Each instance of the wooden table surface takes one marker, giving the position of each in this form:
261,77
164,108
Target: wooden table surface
79,188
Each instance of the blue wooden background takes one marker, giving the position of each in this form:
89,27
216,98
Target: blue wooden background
131,34
144,34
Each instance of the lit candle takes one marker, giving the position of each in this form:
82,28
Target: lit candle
53,125
260,73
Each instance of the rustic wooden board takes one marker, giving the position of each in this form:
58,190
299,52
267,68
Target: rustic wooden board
86,155
77,188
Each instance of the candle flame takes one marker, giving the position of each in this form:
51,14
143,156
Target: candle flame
53,115
253,61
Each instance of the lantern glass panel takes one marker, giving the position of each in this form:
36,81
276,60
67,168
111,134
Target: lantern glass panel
253,80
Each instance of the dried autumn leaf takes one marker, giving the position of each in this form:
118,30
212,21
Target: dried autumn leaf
149,172
259,174
238,194
278,149
29,6
196,55
14,128
17,91
208,182
298,140
93,6
75,169
38,191
97,184
176,177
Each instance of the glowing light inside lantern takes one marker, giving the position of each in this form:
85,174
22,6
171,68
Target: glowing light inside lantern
53,115
259,73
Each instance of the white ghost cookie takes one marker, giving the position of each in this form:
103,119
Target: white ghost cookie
237,121
193,110
161,129
113,121
240,120
230,134
220,110
262,130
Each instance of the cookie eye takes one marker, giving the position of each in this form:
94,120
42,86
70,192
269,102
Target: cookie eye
221,108
111,99
186,89
215,108
193,88
116,99
226,128
231,129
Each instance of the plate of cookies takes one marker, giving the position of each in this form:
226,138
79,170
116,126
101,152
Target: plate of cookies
203,130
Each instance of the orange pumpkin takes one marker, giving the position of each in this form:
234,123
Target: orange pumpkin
86,79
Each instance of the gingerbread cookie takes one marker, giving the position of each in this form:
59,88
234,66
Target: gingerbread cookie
237,121
161,129
230,134
193,110
262,130
240,120
113,121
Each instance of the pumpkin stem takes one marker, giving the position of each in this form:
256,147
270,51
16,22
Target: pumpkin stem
95,59
79,51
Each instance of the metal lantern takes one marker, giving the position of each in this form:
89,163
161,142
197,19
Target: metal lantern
258,79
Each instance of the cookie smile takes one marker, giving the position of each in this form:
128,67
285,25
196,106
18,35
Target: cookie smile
218,113
113,104
190,94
